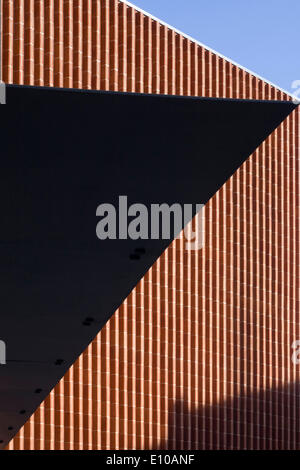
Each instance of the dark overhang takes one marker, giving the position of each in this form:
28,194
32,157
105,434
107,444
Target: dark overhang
62,154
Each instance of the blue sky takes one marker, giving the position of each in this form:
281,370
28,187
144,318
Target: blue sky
261,35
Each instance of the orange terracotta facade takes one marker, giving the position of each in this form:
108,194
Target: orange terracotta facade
199,355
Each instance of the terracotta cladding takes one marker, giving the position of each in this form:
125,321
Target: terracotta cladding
199,355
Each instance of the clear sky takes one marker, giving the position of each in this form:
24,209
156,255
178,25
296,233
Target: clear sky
261,35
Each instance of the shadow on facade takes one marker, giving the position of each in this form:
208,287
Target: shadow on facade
265,420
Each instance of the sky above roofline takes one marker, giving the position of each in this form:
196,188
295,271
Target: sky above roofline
262,38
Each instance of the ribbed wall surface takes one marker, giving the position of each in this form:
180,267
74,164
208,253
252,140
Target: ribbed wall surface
199,355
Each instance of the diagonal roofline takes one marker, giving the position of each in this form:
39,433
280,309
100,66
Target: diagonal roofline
294,97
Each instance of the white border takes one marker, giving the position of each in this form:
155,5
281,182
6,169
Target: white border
208,48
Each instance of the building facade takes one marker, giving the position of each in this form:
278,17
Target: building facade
199,356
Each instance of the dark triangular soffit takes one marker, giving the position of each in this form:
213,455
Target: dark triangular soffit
62,154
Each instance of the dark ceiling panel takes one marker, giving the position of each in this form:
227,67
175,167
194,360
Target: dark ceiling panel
62,154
